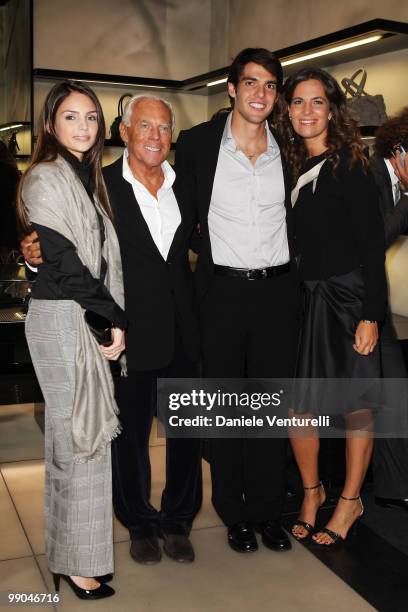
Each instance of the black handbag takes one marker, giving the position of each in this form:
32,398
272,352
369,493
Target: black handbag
100,327
115,139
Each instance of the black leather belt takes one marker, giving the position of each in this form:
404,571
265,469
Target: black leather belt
256,274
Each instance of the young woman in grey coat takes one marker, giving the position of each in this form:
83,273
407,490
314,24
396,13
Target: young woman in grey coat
63,198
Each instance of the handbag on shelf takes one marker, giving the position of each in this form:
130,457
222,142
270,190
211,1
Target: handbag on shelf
100,327
367,110
115,139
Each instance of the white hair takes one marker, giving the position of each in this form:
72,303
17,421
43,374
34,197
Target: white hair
127,113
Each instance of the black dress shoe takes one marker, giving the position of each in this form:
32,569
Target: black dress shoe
273,536
178,547
146,550
101,592
242,538
389,502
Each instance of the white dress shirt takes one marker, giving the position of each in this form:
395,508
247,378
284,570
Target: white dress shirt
162,215
247,215
396,192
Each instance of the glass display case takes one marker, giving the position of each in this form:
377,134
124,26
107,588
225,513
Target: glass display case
15,290
17,379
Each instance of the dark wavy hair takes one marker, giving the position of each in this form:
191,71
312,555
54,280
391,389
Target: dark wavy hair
342,129
47,146
393,132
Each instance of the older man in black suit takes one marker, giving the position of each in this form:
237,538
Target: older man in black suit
154,230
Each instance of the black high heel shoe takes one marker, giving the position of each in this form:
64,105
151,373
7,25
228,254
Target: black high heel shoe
307,526
337,539
104,578
99,593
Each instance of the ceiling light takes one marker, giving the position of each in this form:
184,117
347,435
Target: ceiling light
350,45
224,80
11,126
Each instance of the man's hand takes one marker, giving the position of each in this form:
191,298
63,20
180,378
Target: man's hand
366,338
31,249
400,166
114,351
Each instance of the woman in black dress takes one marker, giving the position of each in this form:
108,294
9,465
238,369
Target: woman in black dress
340,251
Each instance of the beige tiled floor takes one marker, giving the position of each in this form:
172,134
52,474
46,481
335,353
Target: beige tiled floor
20,436
25,482
14,543
218,580
21,575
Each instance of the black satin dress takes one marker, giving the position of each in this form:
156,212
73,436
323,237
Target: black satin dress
334,297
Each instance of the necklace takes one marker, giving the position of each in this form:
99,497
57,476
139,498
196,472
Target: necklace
249,156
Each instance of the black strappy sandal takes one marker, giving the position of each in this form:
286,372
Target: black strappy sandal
337,539
299,523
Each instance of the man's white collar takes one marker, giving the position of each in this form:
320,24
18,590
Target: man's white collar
168,172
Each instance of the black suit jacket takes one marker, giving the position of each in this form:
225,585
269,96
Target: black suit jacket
196,162
395,217
158,293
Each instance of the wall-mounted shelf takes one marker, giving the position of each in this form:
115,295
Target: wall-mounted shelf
106,79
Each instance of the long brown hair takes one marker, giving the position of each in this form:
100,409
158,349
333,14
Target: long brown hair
342,129
48,146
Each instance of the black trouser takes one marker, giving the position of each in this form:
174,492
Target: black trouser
390,458
249,329
182,496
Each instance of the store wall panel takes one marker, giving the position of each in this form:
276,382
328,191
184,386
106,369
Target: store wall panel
150,38
217,101
220,22
187,43
15,79
279,24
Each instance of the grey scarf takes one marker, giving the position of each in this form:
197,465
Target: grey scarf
55,197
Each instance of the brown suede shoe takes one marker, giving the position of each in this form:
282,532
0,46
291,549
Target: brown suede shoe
178,547
146,550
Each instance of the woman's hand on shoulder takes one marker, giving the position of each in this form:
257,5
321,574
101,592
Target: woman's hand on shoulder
114,351
366,337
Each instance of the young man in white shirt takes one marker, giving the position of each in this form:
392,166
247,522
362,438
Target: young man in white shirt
232,172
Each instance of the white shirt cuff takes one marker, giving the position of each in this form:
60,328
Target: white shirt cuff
32,268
